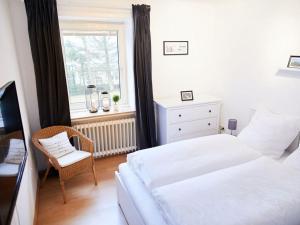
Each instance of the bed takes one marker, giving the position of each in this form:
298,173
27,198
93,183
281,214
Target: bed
215,198
208,180
141,173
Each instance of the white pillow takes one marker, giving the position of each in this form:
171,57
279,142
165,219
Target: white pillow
293,160
16,151
270,133
58,145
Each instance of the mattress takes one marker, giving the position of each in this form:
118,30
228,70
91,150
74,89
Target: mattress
177,161
142,199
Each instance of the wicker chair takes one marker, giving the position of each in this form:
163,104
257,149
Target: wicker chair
70,170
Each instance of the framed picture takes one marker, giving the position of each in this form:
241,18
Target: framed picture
176,47
294,62
187,96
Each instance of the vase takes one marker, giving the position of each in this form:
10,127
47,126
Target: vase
116,107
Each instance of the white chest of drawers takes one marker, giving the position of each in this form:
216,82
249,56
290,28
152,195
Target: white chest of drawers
177,120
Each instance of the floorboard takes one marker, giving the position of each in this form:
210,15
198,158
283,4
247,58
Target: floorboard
86,203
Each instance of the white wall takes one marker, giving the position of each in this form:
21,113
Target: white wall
19,22
253,39
19,26
25,206
176,20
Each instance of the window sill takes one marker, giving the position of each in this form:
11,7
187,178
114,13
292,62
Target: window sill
86,115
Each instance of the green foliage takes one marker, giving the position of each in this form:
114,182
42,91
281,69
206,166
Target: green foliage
91,59
116,98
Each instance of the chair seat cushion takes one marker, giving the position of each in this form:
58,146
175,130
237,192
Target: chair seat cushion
72,158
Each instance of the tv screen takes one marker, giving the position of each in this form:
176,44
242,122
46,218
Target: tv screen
12,151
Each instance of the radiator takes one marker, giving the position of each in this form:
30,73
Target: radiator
110,137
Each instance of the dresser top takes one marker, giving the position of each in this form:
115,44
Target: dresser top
176,102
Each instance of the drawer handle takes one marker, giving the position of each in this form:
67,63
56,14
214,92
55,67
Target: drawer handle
179,129
179,115
209,111
209,124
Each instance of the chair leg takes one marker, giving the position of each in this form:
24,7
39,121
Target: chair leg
62,186
46,174
94,172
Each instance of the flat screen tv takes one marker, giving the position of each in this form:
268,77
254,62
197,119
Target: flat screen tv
12,151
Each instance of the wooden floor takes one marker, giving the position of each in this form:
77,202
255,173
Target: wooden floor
87,204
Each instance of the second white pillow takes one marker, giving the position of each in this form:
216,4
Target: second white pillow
270,133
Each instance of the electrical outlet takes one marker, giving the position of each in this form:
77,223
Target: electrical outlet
221,130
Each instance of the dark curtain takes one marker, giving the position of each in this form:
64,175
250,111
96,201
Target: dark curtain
44,34
146,134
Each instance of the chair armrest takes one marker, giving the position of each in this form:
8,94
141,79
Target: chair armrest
86,143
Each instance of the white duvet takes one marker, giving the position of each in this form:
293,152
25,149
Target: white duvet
185,159
260,192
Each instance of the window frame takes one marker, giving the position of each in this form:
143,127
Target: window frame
94,27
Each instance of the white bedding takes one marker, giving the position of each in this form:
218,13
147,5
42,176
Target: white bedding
260,192
185,159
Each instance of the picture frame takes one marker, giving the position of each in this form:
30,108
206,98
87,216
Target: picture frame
187,96
175,48
294,62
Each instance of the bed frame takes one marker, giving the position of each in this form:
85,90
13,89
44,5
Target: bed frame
130,211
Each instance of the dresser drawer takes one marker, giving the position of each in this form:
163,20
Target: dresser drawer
194,135
192,113
187,128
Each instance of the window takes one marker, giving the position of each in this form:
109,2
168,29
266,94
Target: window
94,54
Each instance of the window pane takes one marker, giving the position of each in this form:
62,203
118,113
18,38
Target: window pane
91,59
